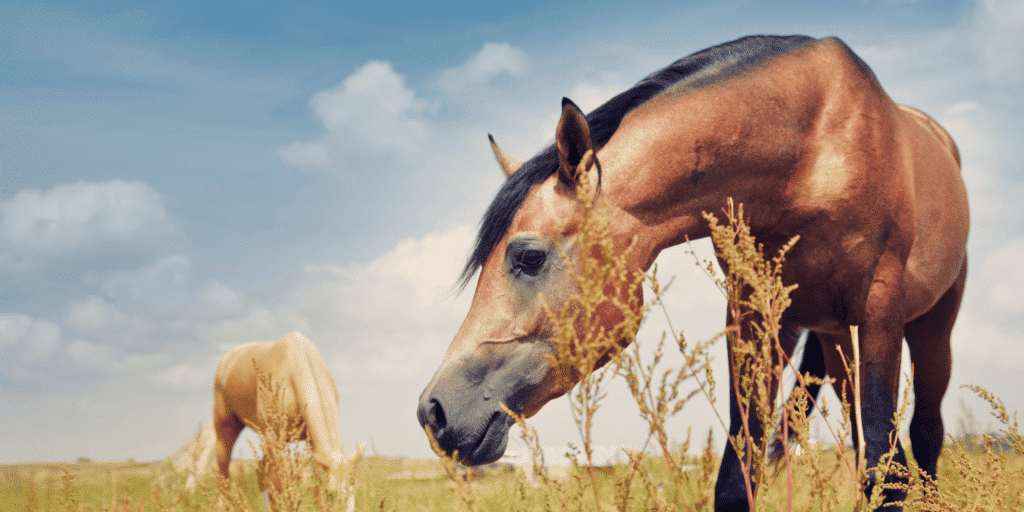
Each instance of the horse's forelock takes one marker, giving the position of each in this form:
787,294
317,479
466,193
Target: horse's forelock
504,207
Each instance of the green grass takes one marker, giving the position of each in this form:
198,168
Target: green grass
411,485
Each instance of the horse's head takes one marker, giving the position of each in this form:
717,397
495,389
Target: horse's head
503,353
341,470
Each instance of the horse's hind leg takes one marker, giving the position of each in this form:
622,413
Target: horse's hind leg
928,339
731,485
227,427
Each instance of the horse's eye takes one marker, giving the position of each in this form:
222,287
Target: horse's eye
530,261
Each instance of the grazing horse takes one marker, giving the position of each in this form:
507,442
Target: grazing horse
309,392
800,132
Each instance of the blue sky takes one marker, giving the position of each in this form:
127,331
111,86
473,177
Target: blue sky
177,178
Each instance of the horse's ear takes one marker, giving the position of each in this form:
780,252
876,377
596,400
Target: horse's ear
574,143
508,163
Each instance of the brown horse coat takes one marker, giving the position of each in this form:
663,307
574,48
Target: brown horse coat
800,132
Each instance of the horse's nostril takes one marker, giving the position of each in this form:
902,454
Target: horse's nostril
436,416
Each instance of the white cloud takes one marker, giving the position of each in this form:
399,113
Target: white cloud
388,319
492,60
13,327
373,89
92,356
41,341
36,339
1002,275
586,95
420,271
218,301
992,344
189,375
160,288
99,320
370,112
998,39
93,313
260,324
984,151
590,95
72,216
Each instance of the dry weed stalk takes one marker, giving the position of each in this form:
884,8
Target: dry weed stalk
607,287
985,479
222,495
280,469
461,479
756,301
886,465
67,497
555,494
990,481
659,401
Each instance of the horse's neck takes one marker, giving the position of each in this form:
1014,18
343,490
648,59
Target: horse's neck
680,156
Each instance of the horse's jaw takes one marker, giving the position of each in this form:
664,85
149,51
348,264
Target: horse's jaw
462,404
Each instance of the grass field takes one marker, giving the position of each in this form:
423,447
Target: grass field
403,484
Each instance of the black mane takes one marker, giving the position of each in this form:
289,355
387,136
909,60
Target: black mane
734,57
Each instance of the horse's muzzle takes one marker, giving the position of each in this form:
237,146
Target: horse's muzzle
461,403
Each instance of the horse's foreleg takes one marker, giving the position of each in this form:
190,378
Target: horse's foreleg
928,339
879,389
734,474
730,487
879,399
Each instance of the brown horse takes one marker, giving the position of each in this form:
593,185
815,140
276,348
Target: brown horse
309,393
800,132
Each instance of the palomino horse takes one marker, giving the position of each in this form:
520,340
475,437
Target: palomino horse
309,392
800,132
